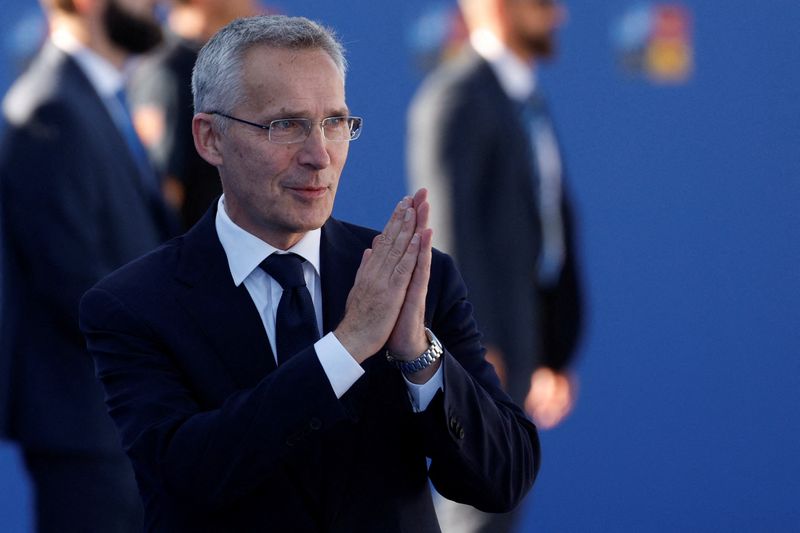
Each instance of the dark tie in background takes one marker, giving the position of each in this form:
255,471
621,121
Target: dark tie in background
296,322
546,161
135,146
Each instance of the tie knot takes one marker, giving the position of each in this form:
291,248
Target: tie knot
286,269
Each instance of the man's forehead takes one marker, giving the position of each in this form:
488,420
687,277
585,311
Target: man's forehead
276,65
287,57
302,81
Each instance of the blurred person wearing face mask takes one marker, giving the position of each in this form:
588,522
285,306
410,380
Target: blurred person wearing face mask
78,200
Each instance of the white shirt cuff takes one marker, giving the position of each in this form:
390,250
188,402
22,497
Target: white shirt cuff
340,367
421,395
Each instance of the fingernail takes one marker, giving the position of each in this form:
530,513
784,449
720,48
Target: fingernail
415,238
409,214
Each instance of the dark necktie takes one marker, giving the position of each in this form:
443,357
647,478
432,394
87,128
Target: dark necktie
296,321
547,186
135,146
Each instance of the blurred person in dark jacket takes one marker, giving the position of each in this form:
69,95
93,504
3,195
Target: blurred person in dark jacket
78,200
482,141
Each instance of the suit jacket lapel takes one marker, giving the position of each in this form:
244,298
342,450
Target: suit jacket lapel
340,256
224,313
517,146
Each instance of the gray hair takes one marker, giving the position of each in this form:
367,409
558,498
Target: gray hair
217,75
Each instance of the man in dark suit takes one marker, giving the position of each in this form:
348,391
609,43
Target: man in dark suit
481,140
236,414
75,206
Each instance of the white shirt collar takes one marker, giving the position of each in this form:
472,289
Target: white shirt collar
104,77
245,251
517,78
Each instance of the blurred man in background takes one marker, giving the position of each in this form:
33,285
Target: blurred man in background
161,97
78,200
481,140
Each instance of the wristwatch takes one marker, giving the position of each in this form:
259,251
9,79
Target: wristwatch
428,357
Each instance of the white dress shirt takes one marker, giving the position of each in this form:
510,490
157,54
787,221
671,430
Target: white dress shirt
245,252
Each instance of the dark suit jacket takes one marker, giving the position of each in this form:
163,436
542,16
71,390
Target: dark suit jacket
74,208
466,135
222,440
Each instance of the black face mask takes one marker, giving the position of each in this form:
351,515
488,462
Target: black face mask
130,32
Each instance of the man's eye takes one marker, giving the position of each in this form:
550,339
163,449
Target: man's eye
335,122
284,125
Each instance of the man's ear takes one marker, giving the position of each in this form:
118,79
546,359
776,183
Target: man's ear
206,138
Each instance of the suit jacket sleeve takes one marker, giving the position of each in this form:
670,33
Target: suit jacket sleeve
483,449
210,456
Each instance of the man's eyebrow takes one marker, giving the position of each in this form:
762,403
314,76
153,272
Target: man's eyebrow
294,113
339,112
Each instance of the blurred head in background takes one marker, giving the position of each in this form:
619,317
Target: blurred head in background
526,27
114,29
198,20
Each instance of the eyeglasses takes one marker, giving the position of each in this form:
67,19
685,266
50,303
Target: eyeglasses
297,130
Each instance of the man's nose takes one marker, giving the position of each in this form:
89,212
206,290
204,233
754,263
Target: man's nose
314,150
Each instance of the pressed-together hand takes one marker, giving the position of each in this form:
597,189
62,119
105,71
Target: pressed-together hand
408,339
384,279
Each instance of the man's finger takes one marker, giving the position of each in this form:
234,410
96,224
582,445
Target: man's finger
382,242
421,204
423,214
418,286
404,268
395,221
389,252
361,268
420,197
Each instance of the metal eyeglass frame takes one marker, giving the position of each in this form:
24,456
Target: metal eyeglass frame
355,126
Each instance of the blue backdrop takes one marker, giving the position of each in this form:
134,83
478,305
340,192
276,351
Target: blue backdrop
690,236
